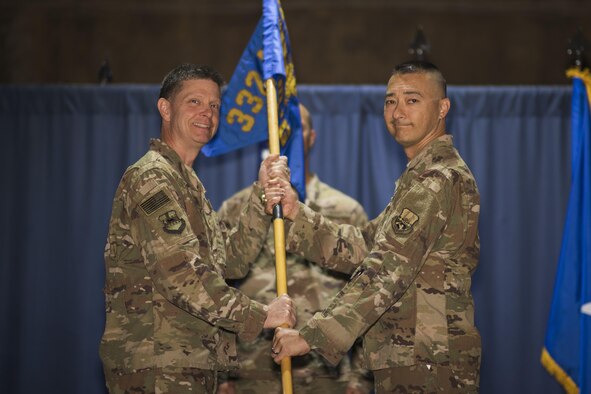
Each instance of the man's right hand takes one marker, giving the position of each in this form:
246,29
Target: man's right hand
281,313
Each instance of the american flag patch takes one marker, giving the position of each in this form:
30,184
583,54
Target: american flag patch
155,202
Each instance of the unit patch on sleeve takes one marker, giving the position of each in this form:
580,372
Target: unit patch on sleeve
172,224
404,222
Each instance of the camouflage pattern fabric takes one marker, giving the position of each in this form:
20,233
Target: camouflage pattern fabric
425,379
311,288
409,295
163,380
167,258
309,385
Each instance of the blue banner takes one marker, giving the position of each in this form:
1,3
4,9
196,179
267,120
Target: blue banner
567,347
243,118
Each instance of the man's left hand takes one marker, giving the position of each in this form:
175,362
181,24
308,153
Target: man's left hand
287,343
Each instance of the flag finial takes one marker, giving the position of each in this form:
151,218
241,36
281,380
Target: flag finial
420,48
577,46
105,75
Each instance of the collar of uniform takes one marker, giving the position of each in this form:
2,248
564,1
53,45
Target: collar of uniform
444,140
169,154
161,147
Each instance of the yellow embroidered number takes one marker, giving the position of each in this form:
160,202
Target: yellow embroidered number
235,115
284,132
250,99
254,77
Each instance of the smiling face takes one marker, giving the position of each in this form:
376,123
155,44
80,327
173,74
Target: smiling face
190,117
414,110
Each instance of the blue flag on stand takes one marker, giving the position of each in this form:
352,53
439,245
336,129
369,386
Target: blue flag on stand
567,347
243,117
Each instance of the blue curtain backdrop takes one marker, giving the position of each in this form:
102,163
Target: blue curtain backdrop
66,147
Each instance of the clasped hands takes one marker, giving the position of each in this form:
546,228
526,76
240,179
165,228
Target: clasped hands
274,176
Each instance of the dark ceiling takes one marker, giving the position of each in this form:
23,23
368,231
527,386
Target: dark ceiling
474,42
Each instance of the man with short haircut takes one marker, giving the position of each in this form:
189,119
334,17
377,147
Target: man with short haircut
171,319
409,295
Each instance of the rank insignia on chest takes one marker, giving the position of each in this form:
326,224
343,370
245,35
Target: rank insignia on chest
172,224
404,222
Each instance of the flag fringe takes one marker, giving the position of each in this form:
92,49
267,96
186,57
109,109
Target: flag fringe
555,370
585,74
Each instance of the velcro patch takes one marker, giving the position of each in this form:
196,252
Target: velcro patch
171,222
155,202
404,222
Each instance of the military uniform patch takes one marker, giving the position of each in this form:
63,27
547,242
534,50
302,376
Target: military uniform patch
155,202
404,222
172,224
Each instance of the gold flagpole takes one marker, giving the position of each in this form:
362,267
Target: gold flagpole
278,225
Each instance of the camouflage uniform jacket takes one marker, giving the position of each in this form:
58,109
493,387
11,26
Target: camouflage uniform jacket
167,257
310,286
409,296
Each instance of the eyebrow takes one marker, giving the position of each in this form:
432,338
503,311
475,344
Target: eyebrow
406,93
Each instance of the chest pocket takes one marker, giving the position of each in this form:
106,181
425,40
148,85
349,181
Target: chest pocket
204,222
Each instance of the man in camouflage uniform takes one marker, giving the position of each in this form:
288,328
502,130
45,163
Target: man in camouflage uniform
310,286
409,295
171,318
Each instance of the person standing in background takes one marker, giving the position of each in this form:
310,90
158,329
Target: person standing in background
310,287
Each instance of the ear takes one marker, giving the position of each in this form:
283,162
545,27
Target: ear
312,137
164,109
444,105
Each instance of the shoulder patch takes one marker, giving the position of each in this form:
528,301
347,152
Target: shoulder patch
155,202
171,223
404,222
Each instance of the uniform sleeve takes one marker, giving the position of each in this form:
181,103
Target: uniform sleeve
229,212
403,241
173,256
358,216
245,239
338,247
351,368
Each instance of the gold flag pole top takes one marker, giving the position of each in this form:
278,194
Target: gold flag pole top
278,225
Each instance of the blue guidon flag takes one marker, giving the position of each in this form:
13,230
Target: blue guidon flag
567,346
243,117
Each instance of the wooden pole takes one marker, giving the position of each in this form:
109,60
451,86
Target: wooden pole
278,225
